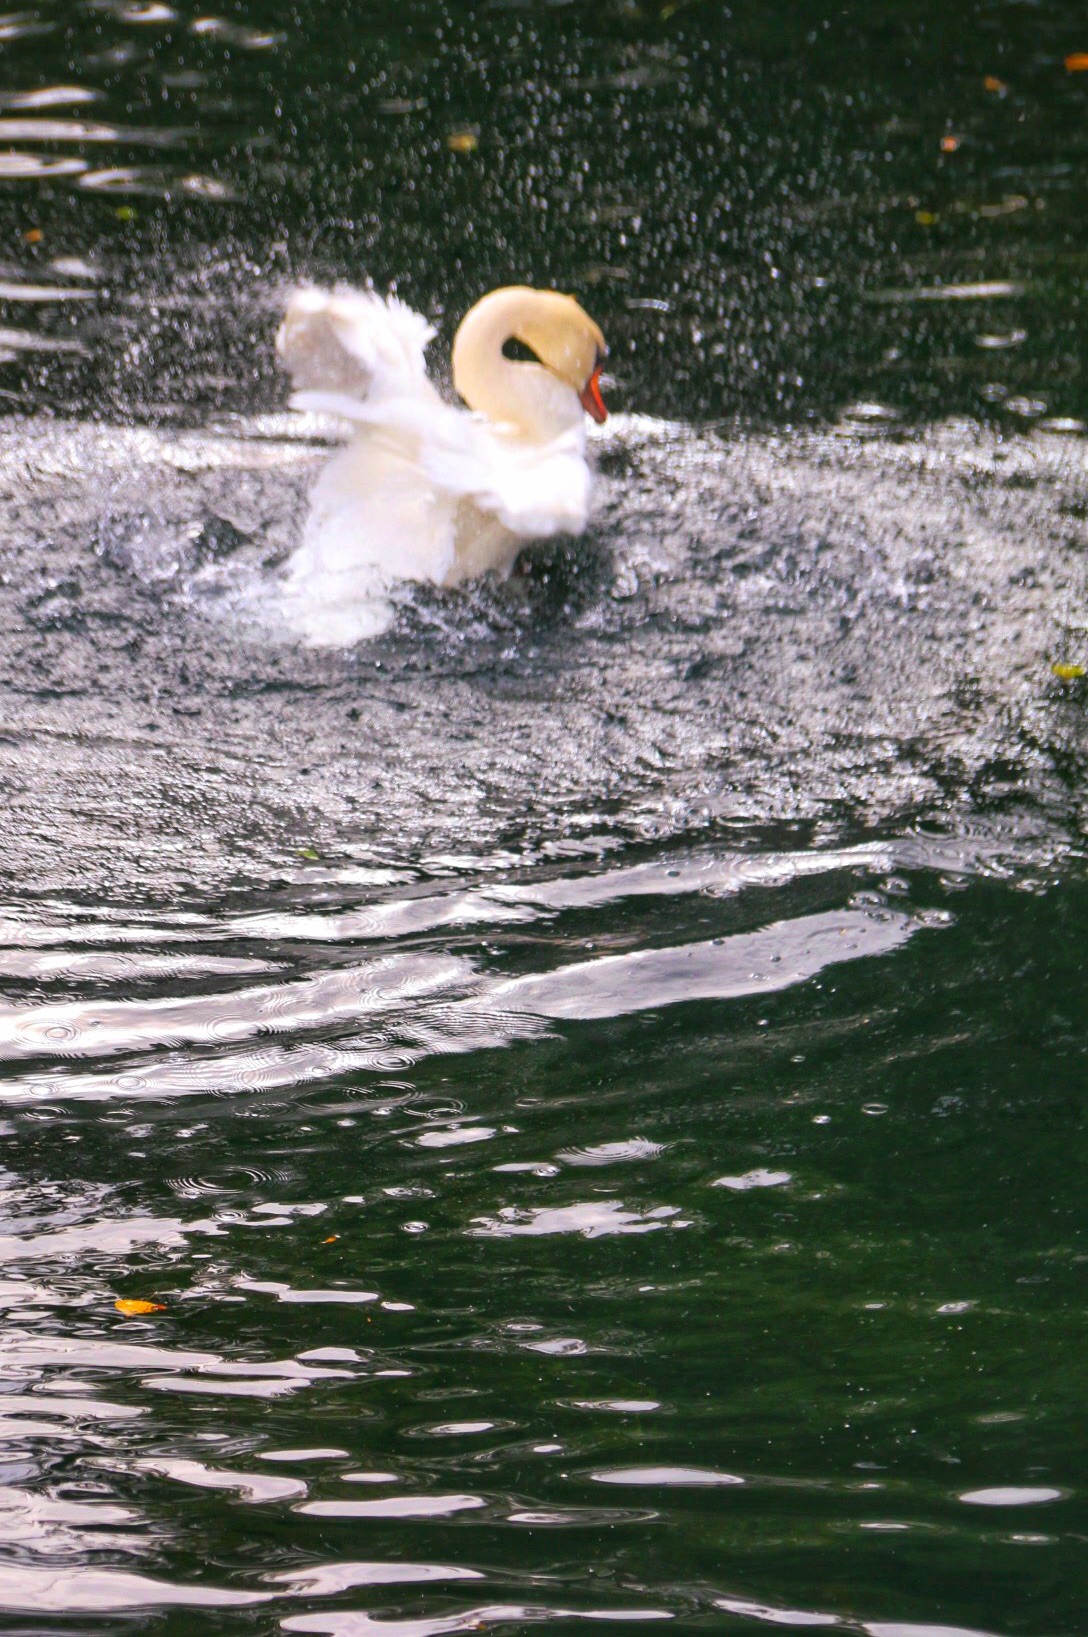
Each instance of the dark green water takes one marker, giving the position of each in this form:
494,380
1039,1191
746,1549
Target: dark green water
594,1079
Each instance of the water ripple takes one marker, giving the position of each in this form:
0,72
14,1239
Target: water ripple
50,96
56,1589
670,1477
592,1219
108,1027
394,1506
86,130
747,964
356,1624
15,165
328,1579
254,1488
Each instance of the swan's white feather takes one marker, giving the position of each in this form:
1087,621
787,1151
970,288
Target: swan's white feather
353,341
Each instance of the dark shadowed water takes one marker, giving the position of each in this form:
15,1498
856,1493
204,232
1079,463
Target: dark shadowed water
592,1082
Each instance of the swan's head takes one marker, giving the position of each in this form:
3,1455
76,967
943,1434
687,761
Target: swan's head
567,344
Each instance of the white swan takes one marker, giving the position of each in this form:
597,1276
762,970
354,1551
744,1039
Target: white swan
426,490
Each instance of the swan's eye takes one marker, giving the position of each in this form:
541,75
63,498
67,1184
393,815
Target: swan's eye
518,350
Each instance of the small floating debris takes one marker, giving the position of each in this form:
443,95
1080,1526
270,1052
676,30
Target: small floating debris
1069,673
464,141
132,1309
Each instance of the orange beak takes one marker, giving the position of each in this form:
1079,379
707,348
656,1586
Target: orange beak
591,400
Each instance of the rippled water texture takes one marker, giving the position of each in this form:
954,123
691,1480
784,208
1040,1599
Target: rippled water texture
580,1101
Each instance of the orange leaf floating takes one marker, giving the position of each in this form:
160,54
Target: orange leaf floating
33,235
1077,62
132,1308
331,1240
462,142
949,144
992,83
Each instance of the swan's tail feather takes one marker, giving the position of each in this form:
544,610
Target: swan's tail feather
352,343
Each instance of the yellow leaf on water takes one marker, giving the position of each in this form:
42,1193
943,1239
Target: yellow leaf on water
1069,673
308,852
132,1307
925,218
1077,62
462,142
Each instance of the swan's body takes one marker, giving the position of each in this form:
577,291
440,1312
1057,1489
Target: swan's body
426,490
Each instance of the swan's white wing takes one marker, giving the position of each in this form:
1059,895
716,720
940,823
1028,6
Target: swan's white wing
353,343
533,490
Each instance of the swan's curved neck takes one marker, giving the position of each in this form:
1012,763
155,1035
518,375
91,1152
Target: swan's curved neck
524,398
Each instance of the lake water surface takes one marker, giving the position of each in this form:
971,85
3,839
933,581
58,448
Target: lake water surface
592,1082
